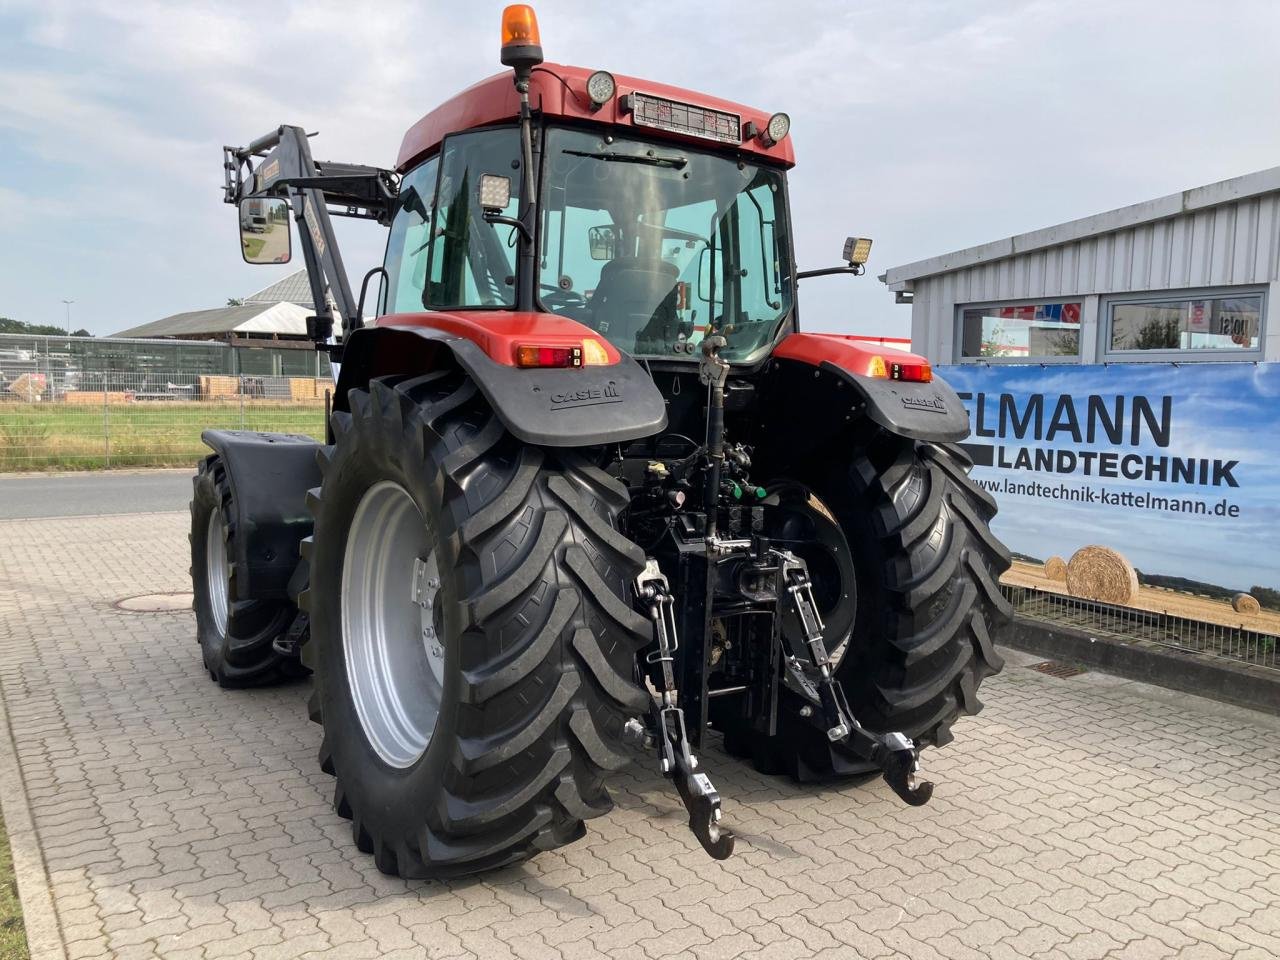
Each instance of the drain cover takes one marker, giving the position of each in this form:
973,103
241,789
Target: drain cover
1056,668
155,603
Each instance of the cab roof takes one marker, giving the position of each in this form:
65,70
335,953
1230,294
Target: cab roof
558,90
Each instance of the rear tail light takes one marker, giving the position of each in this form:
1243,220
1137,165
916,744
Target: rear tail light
912,371
529,355
915,372
588,353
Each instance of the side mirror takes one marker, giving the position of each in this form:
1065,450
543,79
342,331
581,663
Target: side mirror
264,230
603,242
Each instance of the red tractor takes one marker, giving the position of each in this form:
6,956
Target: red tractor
587,489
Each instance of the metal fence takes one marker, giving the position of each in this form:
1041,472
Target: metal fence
76,361
144,418
1240,643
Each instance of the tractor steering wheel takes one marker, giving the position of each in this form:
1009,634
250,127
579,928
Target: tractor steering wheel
560,297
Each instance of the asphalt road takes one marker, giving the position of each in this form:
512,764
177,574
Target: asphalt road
90,494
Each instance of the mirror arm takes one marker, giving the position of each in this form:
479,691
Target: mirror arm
856,269
491,217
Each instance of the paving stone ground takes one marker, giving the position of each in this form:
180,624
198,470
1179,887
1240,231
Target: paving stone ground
1076,818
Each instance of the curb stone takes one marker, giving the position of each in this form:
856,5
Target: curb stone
44,934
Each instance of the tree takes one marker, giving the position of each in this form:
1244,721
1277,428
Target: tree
1157,334
235,302
9,325
1266,596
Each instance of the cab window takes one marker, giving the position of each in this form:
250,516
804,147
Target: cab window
472,262
408,243
653,244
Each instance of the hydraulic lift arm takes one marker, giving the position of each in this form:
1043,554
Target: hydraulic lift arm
279,164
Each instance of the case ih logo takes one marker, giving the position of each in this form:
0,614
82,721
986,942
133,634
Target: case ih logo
586,397
934,403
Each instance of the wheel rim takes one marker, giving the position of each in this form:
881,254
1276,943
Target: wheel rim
393,651
217,572
806,526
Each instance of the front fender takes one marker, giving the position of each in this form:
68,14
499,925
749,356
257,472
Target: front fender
269,474
551,408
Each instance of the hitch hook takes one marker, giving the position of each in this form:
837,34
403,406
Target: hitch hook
703,803
900,765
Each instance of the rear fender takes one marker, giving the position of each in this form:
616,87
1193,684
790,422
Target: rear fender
270,474
553,408
921,411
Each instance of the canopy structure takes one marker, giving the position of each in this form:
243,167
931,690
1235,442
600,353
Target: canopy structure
279,310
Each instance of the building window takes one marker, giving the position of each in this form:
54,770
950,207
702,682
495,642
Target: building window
1208,324
1021,331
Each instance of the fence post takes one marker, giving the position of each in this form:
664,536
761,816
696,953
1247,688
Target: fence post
106,425
241,391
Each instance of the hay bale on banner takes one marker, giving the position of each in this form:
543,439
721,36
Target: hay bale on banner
1245,603
1100,573
1055,568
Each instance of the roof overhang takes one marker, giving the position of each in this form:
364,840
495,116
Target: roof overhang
1189,201
557,90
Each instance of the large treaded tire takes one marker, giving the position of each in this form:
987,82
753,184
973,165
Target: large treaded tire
539,635
929,605
242,655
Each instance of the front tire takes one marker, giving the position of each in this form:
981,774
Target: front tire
236,637
484,729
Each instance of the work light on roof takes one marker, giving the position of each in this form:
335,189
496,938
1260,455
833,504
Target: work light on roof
601,88
778,127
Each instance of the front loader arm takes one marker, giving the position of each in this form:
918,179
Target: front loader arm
280,164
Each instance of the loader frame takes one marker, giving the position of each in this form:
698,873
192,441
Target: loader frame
279,164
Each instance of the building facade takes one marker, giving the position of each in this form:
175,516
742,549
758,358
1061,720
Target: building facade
1189,277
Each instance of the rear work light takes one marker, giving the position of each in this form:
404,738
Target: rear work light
589,353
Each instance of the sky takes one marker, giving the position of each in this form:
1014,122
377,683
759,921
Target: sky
927,125
1219,411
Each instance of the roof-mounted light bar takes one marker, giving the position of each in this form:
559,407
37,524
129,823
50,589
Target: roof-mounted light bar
689,119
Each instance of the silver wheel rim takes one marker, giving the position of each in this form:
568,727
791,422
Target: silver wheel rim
395,660
217,572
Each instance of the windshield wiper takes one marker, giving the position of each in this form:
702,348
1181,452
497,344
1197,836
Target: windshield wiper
675,163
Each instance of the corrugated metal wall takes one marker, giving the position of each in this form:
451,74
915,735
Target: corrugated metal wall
1228,245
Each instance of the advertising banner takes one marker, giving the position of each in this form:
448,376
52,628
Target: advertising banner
1148,485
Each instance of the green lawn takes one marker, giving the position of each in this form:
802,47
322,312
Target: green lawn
44,436
13,939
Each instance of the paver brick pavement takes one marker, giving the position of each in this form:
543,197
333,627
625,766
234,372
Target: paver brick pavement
1083,818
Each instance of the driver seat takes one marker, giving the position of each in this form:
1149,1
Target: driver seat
635,295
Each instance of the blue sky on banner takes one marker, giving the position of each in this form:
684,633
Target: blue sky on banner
1220,412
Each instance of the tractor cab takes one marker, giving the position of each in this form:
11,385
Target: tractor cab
652,218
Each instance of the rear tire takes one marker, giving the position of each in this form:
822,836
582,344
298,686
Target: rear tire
527,597
928,605
236,637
